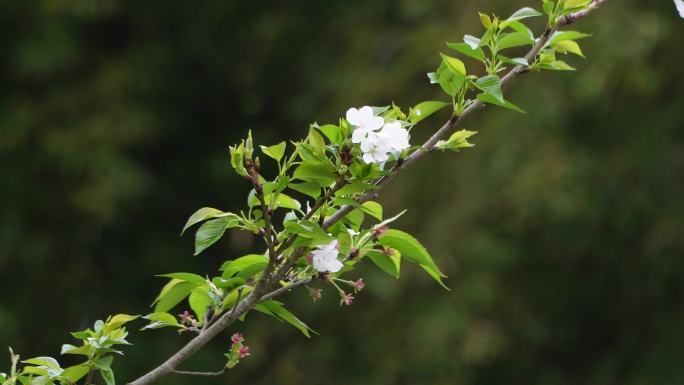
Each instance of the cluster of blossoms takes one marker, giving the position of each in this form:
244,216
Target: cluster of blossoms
377,138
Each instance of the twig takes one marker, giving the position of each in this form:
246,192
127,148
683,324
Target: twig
284,289
200,374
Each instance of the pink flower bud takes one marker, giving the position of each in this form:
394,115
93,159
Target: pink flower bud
244,351
185,318
359,284
237,338
380,231
346,299
316,294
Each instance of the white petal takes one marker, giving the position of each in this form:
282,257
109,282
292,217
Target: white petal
335,266
353,116
366,113
375,123
368,157
680,7
359,134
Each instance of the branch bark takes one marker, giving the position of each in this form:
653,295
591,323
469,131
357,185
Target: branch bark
259,293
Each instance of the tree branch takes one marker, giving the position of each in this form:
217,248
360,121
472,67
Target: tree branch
258,294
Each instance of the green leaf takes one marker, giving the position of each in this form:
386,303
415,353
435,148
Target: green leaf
354,188
458,140
210,232
411,249
244,267
572,5
160,320
276,152
277,310
172,294
307,188
389,264
316,172
450,81
199,300
425,109
455,65
485,20
117,321
518,61
76,372
201,215
465,49
559,36
188,277
513,39
491,85
522,13
568,46
84,350
487,98
108,376
316,140
373,209
47,362
332,132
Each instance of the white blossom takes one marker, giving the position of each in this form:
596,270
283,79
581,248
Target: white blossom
365,122
324,258
375,149
680,7
376,138
394,136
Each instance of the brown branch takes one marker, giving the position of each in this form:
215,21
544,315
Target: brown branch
258,294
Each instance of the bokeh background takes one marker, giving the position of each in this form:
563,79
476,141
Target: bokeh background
561,231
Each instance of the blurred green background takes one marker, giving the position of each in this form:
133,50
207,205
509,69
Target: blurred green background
561,232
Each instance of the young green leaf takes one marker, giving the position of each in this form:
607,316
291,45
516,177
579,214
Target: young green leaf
458,140
390,264
118,321
188,277
307,188
172,294
513,39
411,249
316,172
211,231
202,214
559,36
487,98
425,109
199,300
160,320
276,152
465,49
568,46
373,209
277,310
244,267
455,65
491,85
522,13
354,187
